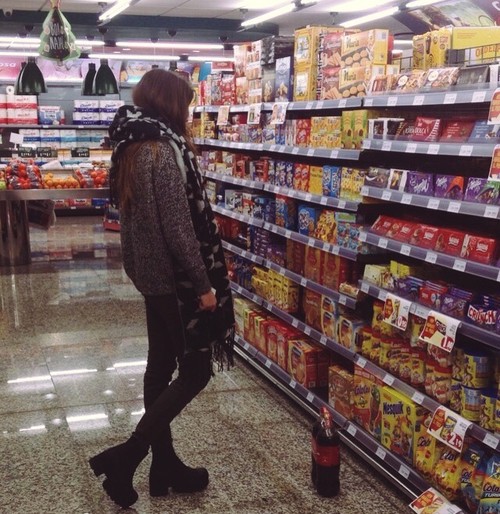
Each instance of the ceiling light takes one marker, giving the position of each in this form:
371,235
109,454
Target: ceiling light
269,15
9,53
207,58
136,57
356,5
370,17
260,4
36,40
420,3
149,45
115,9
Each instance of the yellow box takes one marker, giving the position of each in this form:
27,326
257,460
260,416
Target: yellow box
471,37
316,180
419,52
360,127
355,80
366,410
347,129
304,83
427,450
364,48
401,423
240,305
307,41
440,43
340,390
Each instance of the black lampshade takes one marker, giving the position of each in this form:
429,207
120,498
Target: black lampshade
104,80
88,81
16,85
30,80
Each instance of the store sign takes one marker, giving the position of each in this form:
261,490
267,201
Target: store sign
396,311
440,330
433,501
449,428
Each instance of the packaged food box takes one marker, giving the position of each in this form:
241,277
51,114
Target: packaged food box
284,79
420,183
364,48
478,45
307,364
406,229
429,237
347,129
438,42
329,83
405,131
328,314
304,83
360,127
349,331
354,81
482,190
377,177
450,241
427,450
335,270
457,131
316,180
331,180
449,186
397,179
427,129
330,47
313,263
307,217
382,225
366,409
307,43
483,132
438,79
340,390
479,249
311,305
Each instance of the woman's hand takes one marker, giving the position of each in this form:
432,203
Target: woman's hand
208,302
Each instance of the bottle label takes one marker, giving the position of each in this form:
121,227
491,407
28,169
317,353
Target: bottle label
325,455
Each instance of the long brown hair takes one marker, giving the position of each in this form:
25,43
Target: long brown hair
166,96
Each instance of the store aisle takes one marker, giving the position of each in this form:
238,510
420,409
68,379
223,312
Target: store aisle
72,351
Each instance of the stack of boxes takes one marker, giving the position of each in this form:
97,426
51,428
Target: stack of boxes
95,112
19,109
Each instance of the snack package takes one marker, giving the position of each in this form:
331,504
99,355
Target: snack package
474,463
447,473
490,495
366,409
340,390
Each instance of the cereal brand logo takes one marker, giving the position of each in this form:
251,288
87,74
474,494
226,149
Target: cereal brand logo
474,183
491,488
361,389
422,186
441,181
393,409
466,476
423,442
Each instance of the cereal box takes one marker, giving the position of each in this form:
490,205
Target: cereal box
313,263
364,48
304,83
340,390
311,305
366,409
303,362
331,181
307,43
347,129
329,311
316,180
307,217
349,332
284,79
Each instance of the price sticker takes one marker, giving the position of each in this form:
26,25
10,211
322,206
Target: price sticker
466,150
307,331
341,204
380,453
392,101
309,105
388,379
361,362
365,191
253,258
319,105
491,211
418,397
323,200
478,96
386,195
411,148
368,102
406,199
491,440
362,237
404,471
418,100
288,233
449,428
343,299
420,311
433,149
405,250
295,150
367,144
326,247
272,148
365,287
342,103
246,345
450,98
293,383
386,146
431,257
334,154
383,242
310,397
268,363
440,330
433,203
459,265
454,207
323,339
351,429
310,152
308,197
303,282
295,323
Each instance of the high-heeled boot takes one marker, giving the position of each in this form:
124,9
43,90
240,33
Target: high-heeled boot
167,470
119,464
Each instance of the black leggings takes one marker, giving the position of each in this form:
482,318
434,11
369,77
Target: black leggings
164,399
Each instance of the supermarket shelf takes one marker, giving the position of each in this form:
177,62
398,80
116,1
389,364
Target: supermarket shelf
339,203
53,194
428,202
254,184
453,149
486,337
343,103
429,98
33,126
432,257
492,440
235,145
289,234
294,277
394,469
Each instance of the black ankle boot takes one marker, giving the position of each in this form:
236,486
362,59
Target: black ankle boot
167,470
119,464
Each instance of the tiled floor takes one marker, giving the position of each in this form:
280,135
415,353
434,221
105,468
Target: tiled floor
72,350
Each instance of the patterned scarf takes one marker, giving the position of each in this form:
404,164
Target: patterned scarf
202,329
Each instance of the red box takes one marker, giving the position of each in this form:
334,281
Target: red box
382,225
405,232
303,132
313,264
427,129
335,271
429,237
457,131
272,339
479,249
450,241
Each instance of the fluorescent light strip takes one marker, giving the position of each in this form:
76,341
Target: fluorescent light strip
356,5
138,57
208,58
269,15
116,9
9,53
370,17
421,3
36,40
188,46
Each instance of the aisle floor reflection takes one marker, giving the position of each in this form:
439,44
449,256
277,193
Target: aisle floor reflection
72,356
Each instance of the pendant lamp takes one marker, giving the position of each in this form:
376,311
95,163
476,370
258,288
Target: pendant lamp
16,85
30,80
88,81
104,80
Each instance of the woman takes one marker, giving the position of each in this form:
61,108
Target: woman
173,255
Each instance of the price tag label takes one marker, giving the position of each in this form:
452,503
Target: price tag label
364,190
431,257
433,203
405,250
361,362
319,105
295,323
411,148
368,102
292,383
334,154
272,148
307,331
418,397
362,237
491,211
323,200
448,427
295,150
303,281
433,149
404,471
466,150
341,204
246,345
365,287
418,100
392,101
396,311
351,429
323,339
343,299
406,199
454,207
440,330
459,265
386,195
268,363
46,152
383,242
26,152
80,152
386,146
367,144
309,105
388,379
310,397
326,247
478,96
308,197
420,311
380,453
450,98
288,233
310,152
342,103
491,440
